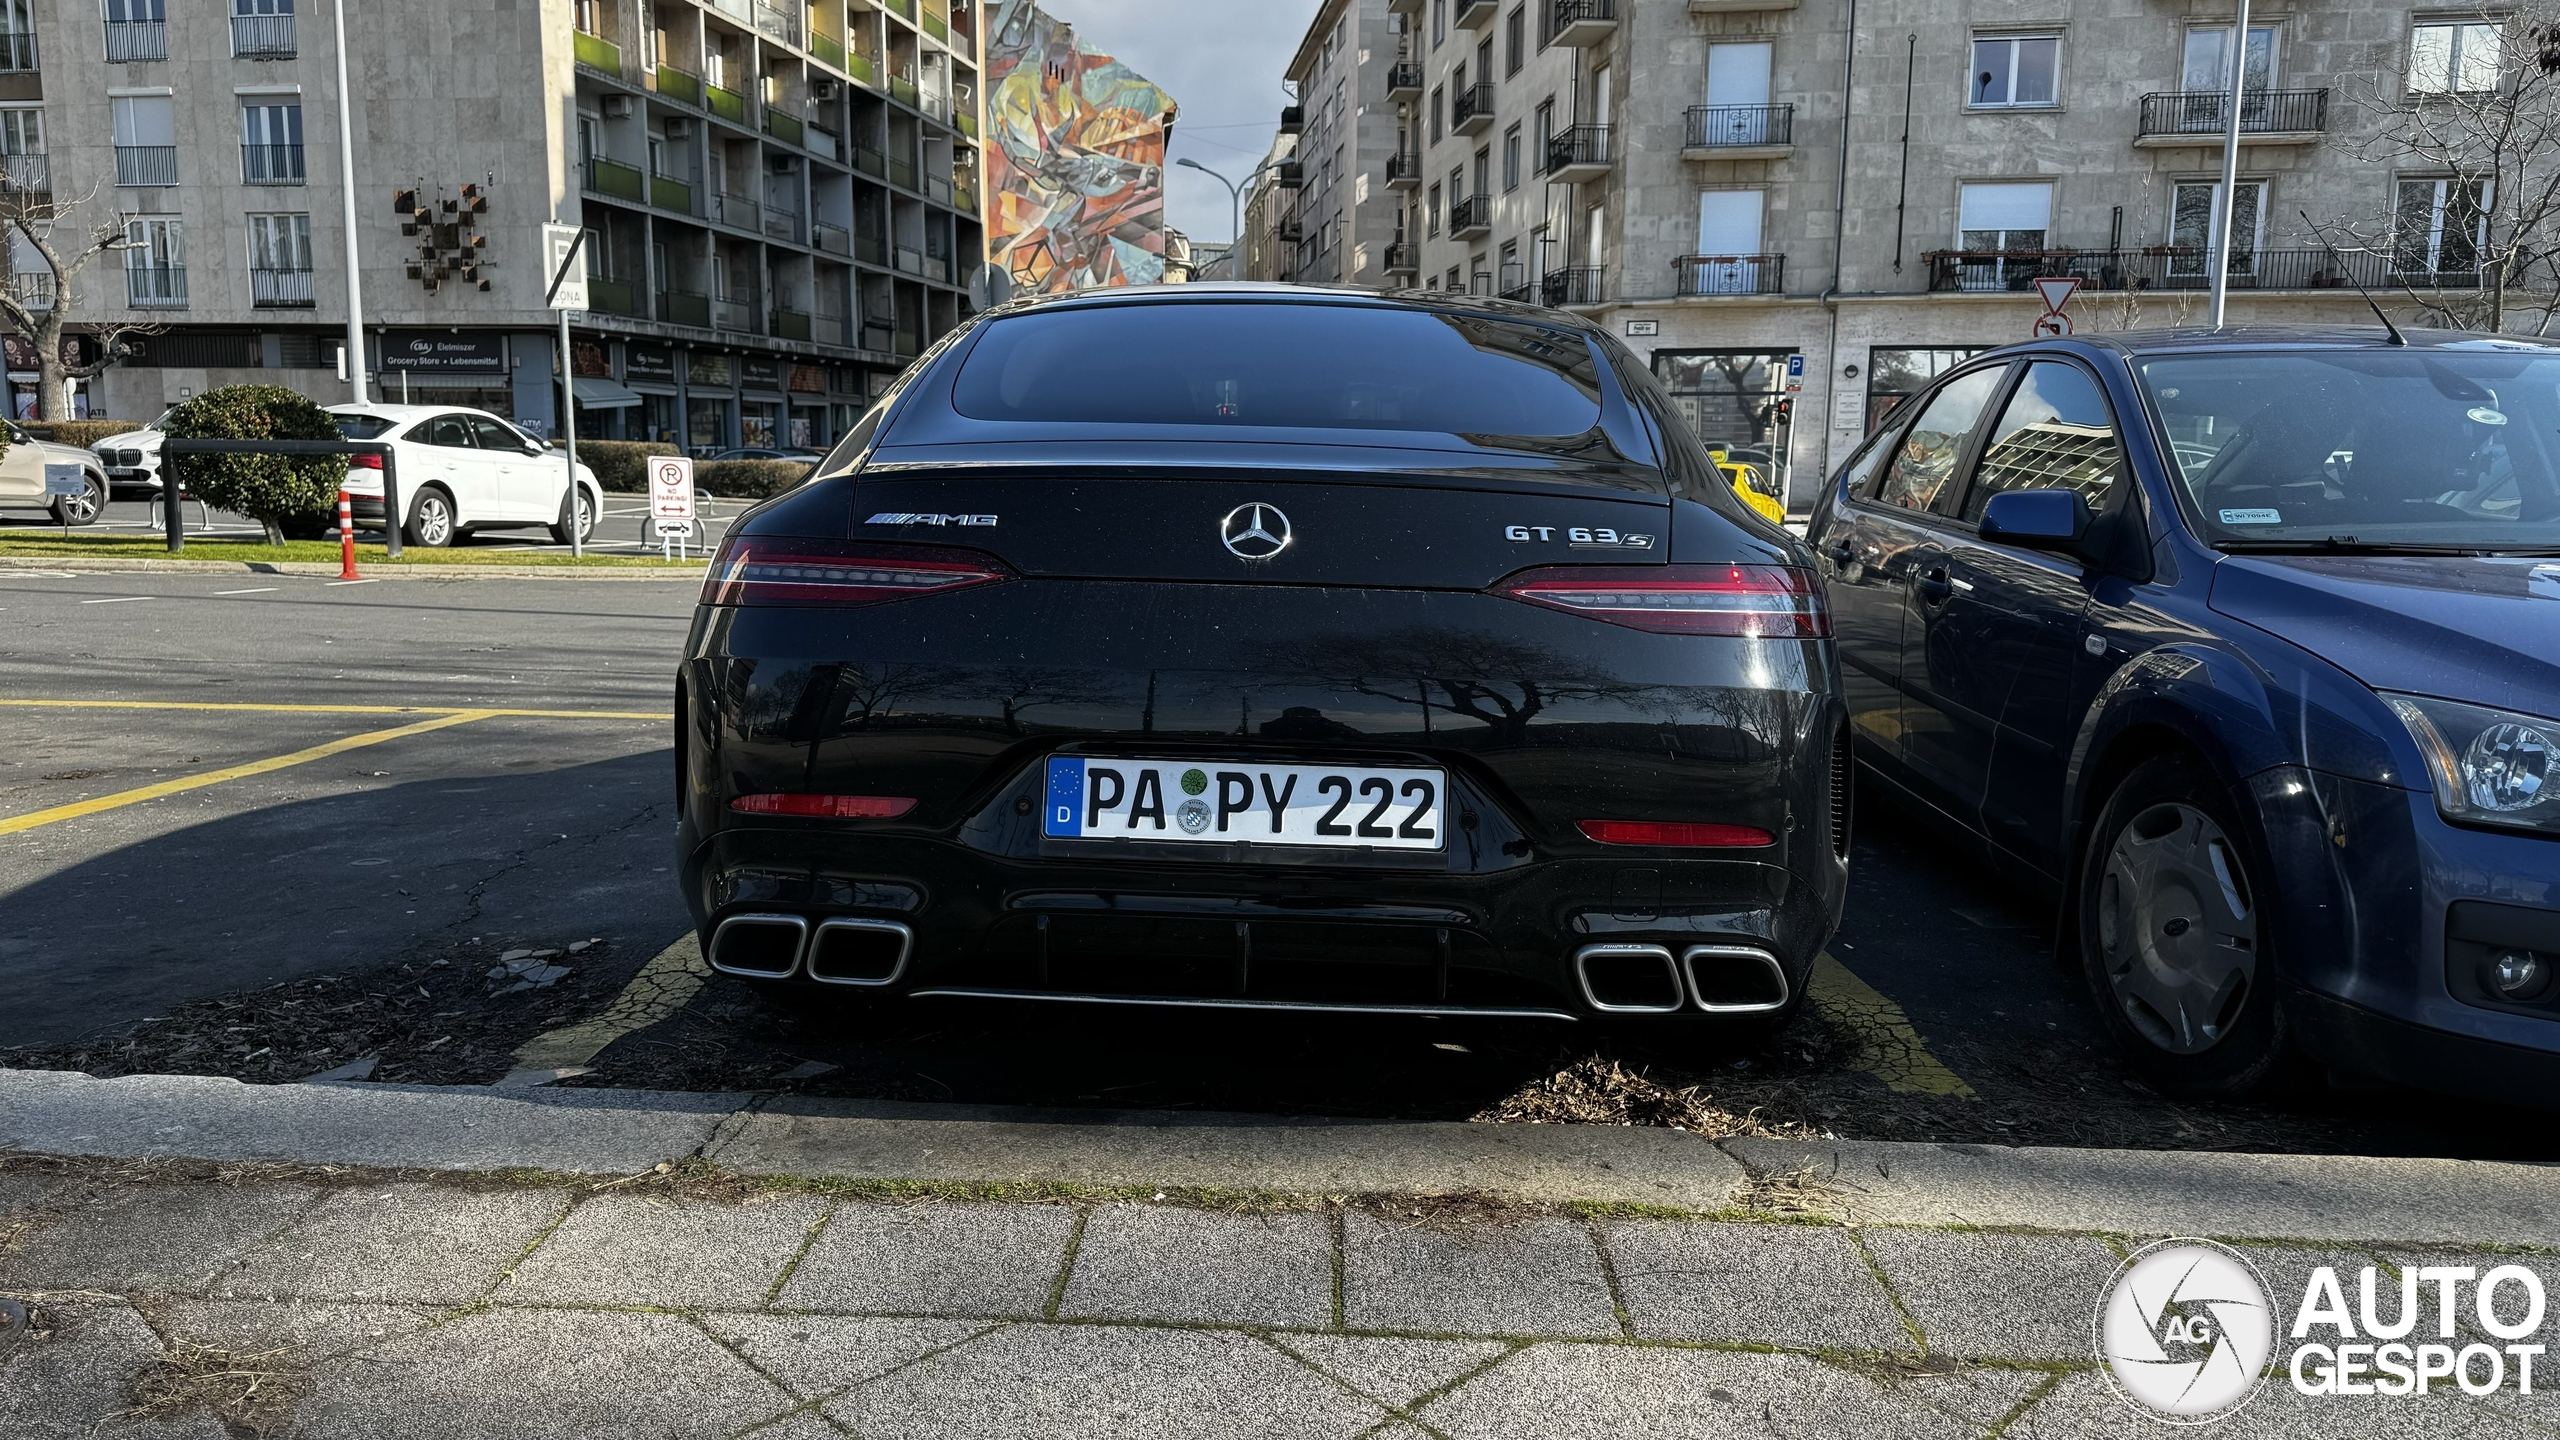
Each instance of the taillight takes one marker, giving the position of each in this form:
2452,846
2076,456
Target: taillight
363,461
825,807
1677,834
1770,602
777,570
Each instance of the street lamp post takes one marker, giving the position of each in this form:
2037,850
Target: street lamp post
347,184
2226,199
1235,204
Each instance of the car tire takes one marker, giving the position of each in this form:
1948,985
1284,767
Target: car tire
2177,946
84,508
587,511
431,519
315,525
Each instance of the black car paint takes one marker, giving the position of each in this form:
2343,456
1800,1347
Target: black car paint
2149,640
1134,630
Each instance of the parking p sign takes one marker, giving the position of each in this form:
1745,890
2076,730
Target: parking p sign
670,487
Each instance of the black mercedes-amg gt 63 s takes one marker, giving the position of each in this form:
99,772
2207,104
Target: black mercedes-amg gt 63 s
1269,648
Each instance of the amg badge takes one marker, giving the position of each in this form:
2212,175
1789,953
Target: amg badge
900,517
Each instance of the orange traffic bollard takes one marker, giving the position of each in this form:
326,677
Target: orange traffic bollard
347,538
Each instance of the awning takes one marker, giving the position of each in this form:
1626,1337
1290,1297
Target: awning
601,394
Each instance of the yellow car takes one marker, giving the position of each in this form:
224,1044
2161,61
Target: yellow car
1756,489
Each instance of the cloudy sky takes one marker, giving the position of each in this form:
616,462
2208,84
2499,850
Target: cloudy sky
1221,60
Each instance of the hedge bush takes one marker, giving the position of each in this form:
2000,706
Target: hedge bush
82,433
621,466
748,479
271,489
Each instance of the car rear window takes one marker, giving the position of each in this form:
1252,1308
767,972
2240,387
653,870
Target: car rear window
1298,366
362,427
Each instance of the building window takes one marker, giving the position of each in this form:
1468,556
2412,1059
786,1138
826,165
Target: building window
280,260
1995,223
1734,401
1484,172
1431,220
1895,374
2015,72
2191,226
17,35
155,261
1511,157
1454,284
2453,58
1439,22
1515,40
271,144
1545,132
2440,226
146,138
1436,105
137,30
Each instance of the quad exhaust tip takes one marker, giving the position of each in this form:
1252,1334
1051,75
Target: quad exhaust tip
1639,979
850,951
759,947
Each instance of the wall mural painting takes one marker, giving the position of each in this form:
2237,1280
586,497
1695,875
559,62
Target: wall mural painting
1076,173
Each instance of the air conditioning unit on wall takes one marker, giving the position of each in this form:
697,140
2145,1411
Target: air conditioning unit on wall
679,128
824,88
617,107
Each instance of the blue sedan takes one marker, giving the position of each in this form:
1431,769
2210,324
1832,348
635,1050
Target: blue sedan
2245,644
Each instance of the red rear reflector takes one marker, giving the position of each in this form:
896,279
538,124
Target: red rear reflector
776,570
364,462
826,807
1769,602
1677,833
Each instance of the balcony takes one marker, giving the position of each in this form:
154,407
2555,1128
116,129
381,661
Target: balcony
155,287
1407,7
902,88
1404,258
902,172
614,297
262,37
870,162
825,144
1293,119
1471,109
146,164
1576,285
596,53
909,259
964,196
783,225
785,128
937,189
737,211
1288,225
612,177
1470,217
1578,154
1404,171
32,288
2199,117
17,51
668,193
790,325
1474,14
2186,267
679,85
780,22
1730,275
729,105
734,315
828,49
871,250
684,307
1740,132
1575,24
1737,7
26,174
131,40
832,330
1404,80
832,239
1289,175
271,165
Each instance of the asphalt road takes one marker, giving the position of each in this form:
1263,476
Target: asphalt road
447,835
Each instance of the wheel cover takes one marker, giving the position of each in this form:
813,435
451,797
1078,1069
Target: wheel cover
2177,928
435,520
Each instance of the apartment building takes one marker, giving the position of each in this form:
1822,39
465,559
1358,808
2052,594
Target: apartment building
780,199
1323,215
1796,238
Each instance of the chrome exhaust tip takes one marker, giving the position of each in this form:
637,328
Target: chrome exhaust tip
759,947
865,953
1735,979
1629,979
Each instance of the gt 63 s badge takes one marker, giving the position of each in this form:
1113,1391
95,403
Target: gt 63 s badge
1579,537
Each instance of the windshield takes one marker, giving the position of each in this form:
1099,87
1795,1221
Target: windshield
362,427
1248,365
2366,449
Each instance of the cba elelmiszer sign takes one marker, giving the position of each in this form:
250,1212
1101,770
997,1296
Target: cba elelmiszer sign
454,352
2186,1330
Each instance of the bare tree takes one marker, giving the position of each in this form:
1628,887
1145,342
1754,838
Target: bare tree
2467,114
37,303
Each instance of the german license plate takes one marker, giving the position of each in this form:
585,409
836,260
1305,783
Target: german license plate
1238,802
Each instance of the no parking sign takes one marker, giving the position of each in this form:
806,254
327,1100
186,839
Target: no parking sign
670,487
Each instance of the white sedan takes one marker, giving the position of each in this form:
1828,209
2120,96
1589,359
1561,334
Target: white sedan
464,470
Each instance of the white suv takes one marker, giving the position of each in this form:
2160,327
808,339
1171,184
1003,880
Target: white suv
463,470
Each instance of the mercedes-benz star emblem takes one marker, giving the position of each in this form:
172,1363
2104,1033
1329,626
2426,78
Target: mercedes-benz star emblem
1256,531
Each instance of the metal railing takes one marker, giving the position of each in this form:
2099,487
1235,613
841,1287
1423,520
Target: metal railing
1404,75
271,165
2186,267
685,307
1404,257
790,324
1730,274
1713,127
729,105
2206,113
736,210
780,224
732,315
1470,213
281,289
668,193
262,37
146,164
614,297
612,177
902,172
937,189
1474,103
1287,224
130,40
32,288
18,50
155,287
780,22
1574,285
785,128
681,85
870,162
833,239
832,330
1564,15
1578,147
595,52
1404,168
26,174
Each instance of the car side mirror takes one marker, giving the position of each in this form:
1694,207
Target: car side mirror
536,447
2037,519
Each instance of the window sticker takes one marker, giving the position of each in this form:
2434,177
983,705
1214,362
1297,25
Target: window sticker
2252,517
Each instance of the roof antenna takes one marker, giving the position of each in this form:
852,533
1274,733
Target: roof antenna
2396,337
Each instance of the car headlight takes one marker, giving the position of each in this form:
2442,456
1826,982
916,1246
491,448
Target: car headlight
2490,767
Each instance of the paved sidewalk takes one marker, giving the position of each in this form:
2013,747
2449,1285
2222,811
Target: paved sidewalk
470,1306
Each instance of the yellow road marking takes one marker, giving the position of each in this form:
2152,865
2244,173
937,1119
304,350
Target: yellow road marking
664,986
17,823
337,709
1888,1047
